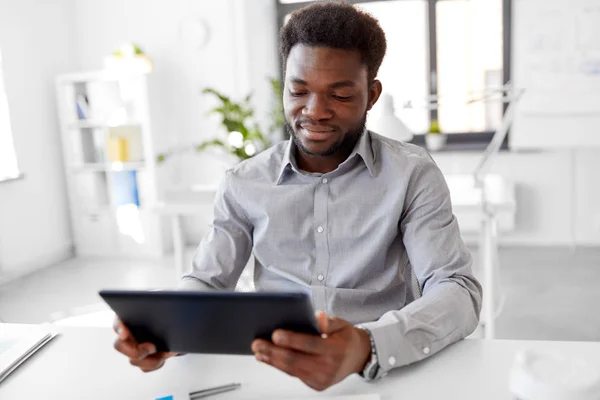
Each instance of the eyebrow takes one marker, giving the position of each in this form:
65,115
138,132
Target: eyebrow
335,85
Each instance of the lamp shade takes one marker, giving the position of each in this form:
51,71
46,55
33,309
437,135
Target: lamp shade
388,124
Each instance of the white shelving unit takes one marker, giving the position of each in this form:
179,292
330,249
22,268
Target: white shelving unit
109,164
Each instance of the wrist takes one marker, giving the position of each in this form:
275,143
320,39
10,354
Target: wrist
365,350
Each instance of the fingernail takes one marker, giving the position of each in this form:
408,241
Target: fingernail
263,358
318,312
278,337
257,347
147,350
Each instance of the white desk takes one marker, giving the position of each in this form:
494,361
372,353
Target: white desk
81,364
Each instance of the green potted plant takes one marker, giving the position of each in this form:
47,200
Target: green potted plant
435,140
243,136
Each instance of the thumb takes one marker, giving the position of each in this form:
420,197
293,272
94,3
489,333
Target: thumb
121,329
336,324
328,325
322,322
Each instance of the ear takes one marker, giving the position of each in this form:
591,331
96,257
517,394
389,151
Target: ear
374,92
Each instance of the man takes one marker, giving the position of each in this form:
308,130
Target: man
341,213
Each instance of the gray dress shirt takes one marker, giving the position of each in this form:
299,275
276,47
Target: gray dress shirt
351,238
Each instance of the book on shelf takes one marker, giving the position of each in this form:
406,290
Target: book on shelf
124,188
82,104
118,149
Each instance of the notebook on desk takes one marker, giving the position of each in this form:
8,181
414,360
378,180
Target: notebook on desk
18,342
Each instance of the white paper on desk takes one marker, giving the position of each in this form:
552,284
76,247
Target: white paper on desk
181,394
348,397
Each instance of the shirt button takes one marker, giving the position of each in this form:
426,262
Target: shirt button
426,350
320,277
392,361
324,180
320,229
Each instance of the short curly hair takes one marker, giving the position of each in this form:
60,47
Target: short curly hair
337,25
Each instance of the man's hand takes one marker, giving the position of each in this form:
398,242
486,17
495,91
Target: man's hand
319,362
142,355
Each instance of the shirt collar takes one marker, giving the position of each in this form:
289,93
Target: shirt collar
363,149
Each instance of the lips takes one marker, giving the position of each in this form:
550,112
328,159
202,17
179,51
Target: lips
316,133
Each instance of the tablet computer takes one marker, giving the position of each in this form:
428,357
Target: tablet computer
209,322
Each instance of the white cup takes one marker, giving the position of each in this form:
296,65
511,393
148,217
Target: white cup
544,376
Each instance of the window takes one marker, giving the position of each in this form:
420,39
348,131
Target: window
451,50
403,72
469,61
8,159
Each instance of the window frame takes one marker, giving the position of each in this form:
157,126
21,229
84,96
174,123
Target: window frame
458,140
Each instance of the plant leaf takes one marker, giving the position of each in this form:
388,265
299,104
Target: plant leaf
213,142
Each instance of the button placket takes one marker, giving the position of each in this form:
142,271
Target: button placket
319,272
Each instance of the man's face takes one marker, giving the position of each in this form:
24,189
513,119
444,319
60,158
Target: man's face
326,98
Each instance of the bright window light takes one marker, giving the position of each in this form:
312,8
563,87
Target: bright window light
403,72
8,158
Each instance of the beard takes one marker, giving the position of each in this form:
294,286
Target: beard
347,143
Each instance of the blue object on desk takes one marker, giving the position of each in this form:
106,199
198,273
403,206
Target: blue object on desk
165,398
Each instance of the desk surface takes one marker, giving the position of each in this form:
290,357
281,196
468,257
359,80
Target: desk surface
81,363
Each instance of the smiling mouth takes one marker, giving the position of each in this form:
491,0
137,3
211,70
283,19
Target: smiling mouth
316,133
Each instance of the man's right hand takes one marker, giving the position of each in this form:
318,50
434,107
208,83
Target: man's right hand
142,355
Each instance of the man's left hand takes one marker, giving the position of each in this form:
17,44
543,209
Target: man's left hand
319,361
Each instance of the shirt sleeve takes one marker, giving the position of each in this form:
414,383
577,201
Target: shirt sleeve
225,249
451,296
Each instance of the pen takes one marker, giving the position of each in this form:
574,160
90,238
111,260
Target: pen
212,391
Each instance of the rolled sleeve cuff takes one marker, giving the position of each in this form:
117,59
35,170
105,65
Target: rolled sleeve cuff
395,349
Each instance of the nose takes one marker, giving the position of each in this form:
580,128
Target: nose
317,107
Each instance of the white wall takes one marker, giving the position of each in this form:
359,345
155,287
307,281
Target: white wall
558,193
36,41
181,72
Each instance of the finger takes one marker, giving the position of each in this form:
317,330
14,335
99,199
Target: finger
121,329
336,324
322,322
150,363
127,347
330,325
147,349
310,369
303,342
133,350
289,361
258,344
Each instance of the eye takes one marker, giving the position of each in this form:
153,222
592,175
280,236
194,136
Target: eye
297,94
342,98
